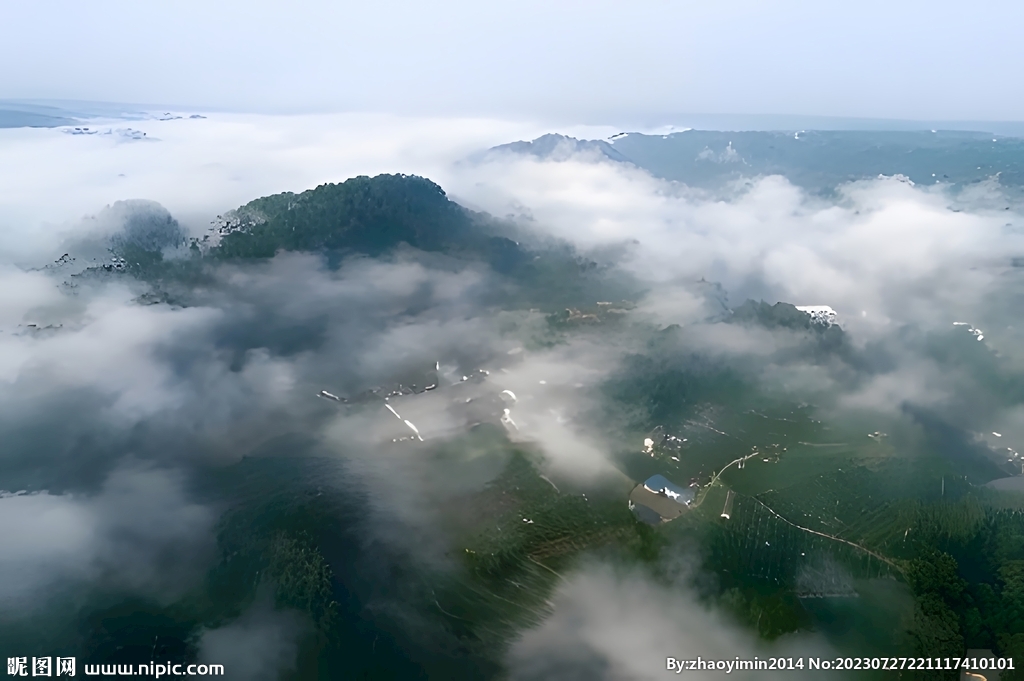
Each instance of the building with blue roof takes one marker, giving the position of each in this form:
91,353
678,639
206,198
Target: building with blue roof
658,500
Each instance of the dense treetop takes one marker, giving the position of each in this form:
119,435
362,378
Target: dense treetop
361,215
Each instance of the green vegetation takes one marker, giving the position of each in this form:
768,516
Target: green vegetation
822,341
822,512
820,507
362,215
779,315
543,525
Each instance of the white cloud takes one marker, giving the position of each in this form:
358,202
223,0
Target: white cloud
890,250
261,645
608,626
200,168
883,255
139,532
108,344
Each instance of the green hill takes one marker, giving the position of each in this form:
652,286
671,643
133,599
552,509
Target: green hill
363,215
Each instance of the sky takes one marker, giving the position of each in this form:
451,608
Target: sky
594,62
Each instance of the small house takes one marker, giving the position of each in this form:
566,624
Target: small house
658,500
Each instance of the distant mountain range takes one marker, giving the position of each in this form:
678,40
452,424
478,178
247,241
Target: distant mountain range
41,117
59,113
816,160
560,147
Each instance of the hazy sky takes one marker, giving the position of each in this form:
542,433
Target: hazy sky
595,61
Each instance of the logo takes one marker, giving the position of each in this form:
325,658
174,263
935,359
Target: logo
41,666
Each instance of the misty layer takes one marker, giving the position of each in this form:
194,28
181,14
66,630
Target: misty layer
364,429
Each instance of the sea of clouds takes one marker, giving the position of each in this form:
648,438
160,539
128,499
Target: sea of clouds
109,409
